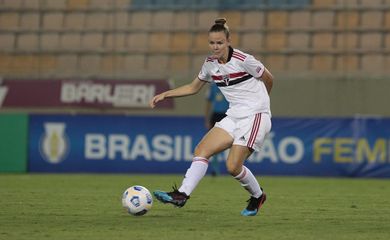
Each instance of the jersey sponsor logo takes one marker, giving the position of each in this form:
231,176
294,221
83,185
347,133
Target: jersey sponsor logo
226,79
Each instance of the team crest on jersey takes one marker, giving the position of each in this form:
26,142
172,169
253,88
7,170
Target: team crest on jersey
226,79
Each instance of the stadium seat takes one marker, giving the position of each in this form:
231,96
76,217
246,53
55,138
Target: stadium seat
206,4
322,63
323,41
184,20
347,41
200,42
287,4
137,41
371,3
371,41
159,42
277,19
276,62
27,41
205,19
299,19
158,65
56,5
141,4
115,41
135,63
70,41
347,63
88,63
12,4
53,21
74,21
387,41
298,63
373,62
50,41
112,64
101,4
7,41
77,4
252,41
323,19
275,41
140,20
253,20
163,20
180,42
371,19
179,64
9,20
233,17
96,21
92,41
323,3
298,40
32,5
29,21
347,19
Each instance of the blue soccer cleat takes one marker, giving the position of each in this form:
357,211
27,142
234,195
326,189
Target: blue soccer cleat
254,205
175,197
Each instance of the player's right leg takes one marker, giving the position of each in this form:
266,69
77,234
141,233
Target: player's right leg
216,140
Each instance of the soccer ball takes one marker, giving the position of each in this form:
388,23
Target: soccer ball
137,200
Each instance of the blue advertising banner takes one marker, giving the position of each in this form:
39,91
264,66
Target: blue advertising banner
127,144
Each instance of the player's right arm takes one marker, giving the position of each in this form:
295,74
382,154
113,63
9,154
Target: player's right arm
185,90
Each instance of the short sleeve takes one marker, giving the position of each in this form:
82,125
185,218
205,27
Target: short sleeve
204,73
253,66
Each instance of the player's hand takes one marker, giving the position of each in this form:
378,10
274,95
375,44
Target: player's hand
156,99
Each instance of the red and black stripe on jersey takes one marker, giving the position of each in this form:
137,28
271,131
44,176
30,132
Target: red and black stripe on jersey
234,78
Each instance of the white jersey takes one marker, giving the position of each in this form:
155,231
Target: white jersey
239,81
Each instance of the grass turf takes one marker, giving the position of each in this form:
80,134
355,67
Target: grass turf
63,206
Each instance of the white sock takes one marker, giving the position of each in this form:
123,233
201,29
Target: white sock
194,174
249,182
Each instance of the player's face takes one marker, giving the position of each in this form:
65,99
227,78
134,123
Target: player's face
219,45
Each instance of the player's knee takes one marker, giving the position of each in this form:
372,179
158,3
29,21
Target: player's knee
233,168
200,151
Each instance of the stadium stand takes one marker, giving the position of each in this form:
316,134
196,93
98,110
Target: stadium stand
146,39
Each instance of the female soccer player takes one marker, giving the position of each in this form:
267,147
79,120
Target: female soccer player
246,85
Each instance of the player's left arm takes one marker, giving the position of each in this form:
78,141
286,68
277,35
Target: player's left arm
255,68
268,80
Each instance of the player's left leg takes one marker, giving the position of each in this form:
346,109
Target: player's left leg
238,154
248,138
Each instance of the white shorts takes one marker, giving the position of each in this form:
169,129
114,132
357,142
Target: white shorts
249,131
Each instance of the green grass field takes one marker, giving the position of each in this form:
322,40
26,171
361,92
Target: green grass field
89,207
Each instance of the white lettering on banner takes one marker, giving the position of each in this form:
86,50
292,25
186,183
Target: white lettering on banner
119,95
279,153
95,146
163,150
159,148
118,143
140,148
3,94
298,146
